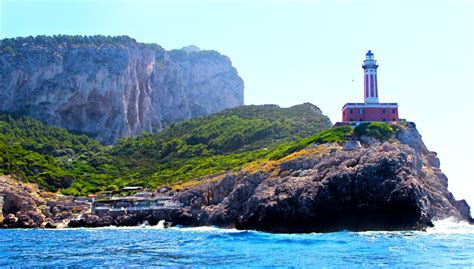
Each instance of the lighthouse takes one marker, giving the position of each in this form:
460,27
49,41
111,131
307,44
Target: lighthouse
371,109
371,95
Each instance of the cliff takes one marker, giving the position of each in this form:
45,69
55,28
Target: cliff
375,180
113,87
373,177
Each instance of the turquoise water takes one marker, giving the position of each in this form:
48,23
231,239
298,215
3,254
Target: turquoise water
448,245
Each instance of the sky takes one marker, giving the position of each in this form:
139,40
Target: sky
291,52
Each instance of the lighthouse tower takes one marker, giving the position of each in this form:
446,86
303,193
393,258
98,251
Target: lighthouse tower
371,93
371,109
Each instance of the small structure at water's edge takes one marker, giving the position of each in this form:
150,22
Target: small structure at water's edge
371,109
133,204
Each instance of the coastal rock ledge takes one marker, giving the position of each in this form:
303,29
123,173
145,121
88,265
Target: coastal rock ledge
362,183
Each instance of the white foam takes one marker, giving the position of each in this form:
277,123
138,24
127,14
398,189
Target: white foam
145,224
161,224
207,229
451,226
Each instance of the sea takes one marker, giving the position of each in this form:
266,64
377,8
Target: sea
447,245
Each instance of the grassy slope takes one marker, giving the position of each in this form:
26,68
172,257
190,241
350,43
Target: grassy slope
57,159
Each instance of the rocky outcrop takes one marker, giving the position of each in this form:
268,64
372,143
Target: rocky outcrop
25,206
392,185
20,205
146,217
114,87
360,184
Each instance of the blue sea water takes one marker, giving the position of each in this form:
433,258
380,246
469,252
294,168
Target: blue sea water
447,245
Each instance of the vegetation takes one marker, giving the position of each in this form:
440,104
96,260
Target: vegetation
206,145
336,134
50,156
67,40
378,130
77,165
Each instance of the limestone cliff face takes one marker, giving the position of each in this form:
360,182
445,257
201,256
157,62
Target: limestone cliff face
117,89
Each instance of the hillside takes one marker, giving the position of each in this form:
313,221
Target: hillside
113,87
375,177
50,156
198,147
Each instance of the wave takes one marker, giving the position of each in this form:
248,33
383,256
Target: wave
451,226
207,229
159,226
445,226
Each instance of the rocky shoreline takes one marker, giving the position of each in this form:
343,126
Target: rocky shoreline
362,184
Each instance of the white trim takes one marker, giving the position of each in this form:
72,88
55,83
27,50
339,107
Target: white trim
377,105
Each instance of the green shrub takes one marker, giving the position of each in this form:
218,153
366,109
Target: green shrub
77,164
378,130
334,135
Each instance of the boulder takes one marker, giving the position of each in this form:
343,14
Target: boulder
10,221
91,220
128,220
50,224
24,221
351,145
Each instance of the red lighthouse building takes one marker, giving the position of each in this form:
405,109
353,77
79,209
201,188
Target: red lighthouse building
371,109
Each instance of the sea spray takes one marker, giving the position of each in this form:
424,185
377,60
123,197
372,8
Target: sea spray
161,224
451,226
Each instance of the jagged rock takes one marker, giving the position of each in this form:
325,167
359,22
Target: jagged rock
9,221
393,185
433,159
76,223
128,220
194,198
55,210
24,221
115,90
24,206
297,164
50,224
91,220
37,218
352,145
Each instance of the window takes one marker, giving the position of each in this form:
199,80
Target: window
361,119
351,119
394,120
383,111
350,110
393,111
384,120
361,111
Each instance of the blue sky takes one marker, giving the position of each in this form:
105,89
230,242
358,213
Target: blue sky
290,52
